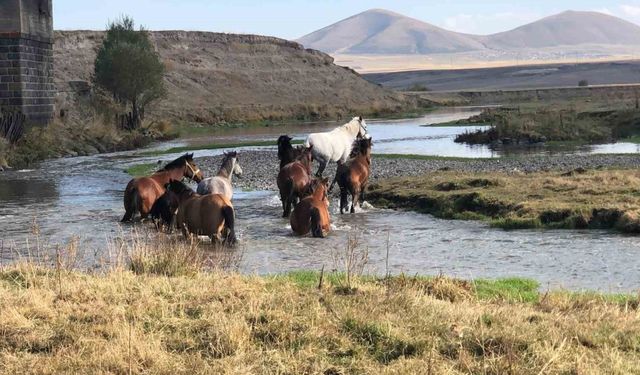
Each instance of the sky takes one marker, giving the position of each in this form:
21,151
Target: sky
291,19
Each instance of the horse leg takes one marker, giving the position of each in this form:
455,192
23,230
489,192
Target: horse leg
322,165
229,223
344,203
335,179
354,199
362,189
130,205
316,223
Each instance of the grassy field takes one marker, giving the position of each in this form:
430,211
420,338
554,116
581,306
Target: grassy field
603,199
60,321
533,125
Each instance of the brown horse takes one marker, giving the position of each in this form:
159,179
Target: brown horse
207,215
141,193
312,213
293,180
353,176
286,152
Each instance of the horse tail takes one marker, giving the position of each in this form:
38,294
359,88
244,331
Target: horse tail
229,223
131,204
316,223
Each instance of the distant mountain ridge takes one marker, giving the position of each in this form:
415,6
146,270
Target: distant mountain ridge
383,32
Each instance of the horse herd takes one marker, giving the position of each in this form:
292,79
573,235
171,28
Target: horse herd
208,211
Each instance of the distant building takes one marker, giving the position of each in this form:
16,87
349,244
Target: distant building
26,59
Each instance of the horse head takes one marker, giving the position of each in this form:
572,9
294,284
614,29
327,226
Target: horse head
230,164
284,145
306,157
192,171
180,189
318,187
362,131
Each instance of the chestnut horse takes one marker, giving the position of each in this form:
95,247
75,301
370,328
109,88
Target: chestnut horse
141,193
353,176
312,213
207,215
293,180
286,152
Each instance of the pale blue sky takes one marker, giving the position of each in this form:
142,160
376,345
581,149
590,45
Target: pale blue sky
293,18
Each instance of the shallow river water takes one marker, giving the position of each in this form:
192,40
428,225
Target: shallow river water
83,197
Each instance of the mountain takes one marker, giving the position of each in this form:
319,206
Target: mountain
379,31
384,32
568,28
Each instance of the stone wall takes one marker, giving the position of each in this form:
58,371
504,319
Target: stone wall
26,59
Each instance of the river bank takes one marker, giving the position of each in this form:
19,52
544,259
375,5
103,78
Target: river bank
260,167
222,322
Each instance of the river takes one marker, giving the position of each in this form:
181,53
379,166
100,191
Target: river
81,198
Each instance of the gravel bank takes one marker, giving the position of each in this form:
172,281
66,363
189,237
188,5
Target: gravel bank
261,167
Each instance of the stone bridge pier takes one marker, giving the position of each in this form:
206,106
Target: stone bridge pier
26,59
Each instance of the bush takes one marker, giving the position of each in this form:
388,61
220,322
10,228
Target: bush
128,67
583,83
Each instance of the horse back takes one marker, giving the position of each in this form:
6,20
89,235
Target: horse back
297,173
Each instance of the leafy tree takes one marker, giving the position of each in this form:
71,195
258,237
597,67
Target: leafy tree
128,66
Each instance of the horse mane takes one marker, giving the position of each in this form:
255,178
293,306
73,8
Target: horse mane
179,187
178,163
358,147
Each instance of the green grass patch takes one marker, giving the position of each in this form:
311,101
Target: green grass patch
425,157
510,289
140,170
632,139
215,146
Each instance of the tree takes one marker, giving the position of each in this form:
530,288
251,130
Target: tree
128,66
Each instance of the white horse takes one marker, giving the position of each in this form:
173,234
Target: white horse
335,145
221,183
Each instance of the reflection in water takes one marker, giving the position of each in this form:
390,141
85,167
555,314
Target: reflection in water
83,197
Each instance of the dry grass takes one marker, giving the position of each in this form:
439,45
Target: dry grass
577,199
219,322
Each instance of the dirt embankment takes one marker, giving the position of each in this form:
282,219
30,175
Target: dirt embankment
214,77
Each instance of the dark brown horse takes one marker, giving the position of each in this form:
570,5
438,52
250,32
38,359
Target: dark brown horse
312,213
286,152
353,176
141,193
207,215
293,180
164,210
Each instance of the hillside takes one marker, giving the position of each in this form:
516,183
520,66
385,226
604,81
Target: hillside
213,77
380,31
569,28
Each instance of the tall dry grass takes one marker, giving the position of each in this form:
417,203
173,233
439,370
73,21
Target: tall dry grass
148,312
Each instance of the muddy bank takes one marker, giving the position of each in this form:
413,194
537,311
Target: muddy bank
261,167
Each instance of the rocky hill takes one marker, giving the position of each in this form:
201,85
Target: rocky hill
214,77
